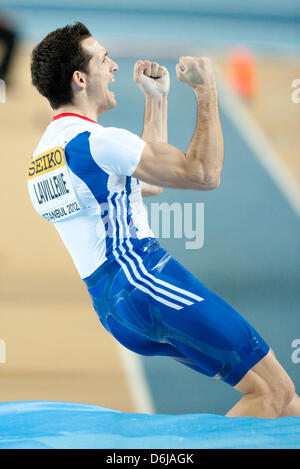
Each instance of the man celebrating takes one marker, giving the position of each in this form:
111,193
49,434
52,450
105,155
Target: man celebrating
89,180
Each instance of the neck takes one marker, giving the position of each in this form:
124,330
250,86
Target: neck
82,111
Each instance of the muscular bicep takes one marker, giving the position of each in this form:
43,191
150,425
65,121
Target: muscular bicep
164,165
161,164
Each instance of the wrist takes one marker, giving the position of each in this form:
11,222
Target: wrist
206,95
156,98
205,92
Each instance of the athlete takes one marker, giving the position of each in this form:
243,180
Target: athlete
88,180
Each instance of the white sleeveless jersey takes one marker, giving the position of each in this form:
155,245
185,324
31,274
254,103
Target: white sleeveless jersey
80,180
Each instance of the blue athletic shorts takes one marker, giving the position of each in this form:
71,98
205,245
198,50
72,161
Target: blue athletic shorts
154,306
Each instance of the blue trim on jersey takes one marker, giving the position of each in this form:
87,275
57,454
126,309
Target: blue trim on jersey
132,229
123,203
82,163
109,230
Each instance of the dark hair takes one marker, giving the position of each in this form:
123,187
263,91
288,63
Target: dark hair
54,60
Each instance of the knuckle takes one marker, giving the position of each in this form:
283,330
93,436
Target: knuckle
206,61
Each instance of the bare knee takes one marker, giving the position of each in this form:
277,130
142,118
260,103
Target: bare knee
280,383
282,392
269,382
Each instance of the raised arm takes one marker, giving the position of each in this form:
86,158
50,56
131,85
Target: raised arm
200,168
154,81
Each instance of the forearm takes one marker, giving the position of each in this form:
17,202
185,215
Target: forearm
200,168
155,130
206,150
156,119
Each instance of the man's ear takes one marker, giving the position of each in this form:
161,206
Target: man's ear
78,80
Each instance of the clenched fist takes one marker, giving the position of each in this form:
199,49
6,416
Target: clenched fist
152,78
196,72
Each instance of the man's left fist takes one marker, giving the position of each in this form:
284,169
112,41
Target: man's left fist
152,78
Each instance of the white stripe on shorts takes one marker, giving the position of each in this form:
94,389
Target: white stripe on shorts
157,280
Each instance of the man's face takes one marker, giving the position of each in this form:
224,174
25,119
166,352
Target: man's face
100,73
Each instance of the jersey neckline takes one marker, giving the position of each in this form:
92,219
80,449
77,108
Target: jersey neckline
73,114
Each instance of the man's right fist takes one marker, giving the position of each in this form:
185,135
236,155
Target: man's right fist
196,72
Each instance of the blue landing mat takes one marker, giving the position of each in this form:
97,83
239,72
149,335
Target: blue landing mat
64,425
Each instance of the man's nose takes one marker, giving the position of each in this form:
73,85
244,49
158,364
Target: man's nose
114,66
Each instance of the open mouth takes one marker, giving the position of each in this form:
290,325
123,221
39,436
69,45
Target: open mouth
108,87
